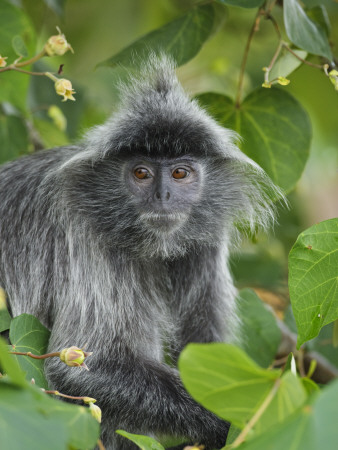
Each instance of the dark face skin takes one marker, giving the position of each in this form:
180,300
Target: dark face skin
164,190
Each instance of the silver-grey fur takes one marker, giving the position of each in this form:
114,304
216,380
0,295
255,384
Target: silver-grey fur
75,254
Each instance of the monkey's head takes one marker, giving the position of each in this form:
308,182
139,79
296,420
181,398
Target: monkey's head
161,176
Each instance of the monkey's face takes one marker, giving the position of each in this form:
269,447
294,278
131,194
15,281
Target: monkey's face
163,191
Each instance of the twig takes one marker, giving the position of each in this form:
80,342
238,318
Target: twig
72,397
100,444
254,29
317,66
31,355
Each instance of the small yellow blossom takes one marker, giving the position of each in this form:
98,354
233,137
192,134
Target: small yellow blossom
266,84
333,75
95,412
64,88
283,81
57,45
88,400
3,62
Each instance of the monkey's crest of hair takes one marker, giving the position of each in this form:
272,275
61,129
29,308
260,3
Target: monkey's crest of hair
156,116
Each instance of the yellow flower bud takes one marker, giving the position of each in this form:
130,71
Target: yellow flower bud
95,412
283,81
333,75
64,88
74,357
57,45
266,84
3,62
88,400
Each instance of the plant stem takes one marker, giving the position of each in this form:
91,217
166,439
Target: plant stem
32,60
274,58
63,395
254,419
317,66
100,445
31,355
253,30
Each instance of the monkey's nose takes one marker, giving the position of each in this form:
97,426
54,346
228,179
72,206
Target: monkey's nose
160,196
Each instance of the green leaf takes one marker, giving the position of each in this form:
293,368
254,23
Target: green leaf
262,335
275,128
225,380
13,137
319,15
182,39
290,396
19,46
242,3
14,22
303,32
310,386
83,430
144,442
43,422
23,425
9,366
313,427
287,64
313,279
27,334
5,320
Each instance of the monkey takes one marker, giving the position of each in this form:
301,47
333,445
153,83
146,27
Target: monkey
121,243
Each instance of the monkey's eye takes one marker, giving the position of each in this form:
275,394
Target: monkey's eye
142,173
180,173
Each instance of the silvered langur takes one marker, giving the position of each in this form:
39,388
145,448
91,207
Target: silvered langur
121,243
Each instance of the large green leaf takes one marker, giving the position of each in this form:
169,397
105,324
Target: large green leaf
5,320
13,137
261,335
313,278
225,380
144,442
14,24
22,425
28,335
182,38
275,128
313,427
83,430
242,3
9,366
31,420
304,32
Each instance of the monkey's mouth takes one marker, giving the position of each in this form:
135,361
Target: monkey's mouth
163,221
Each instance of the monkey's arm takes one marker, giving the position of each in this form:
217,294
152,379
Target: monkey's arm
140,396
